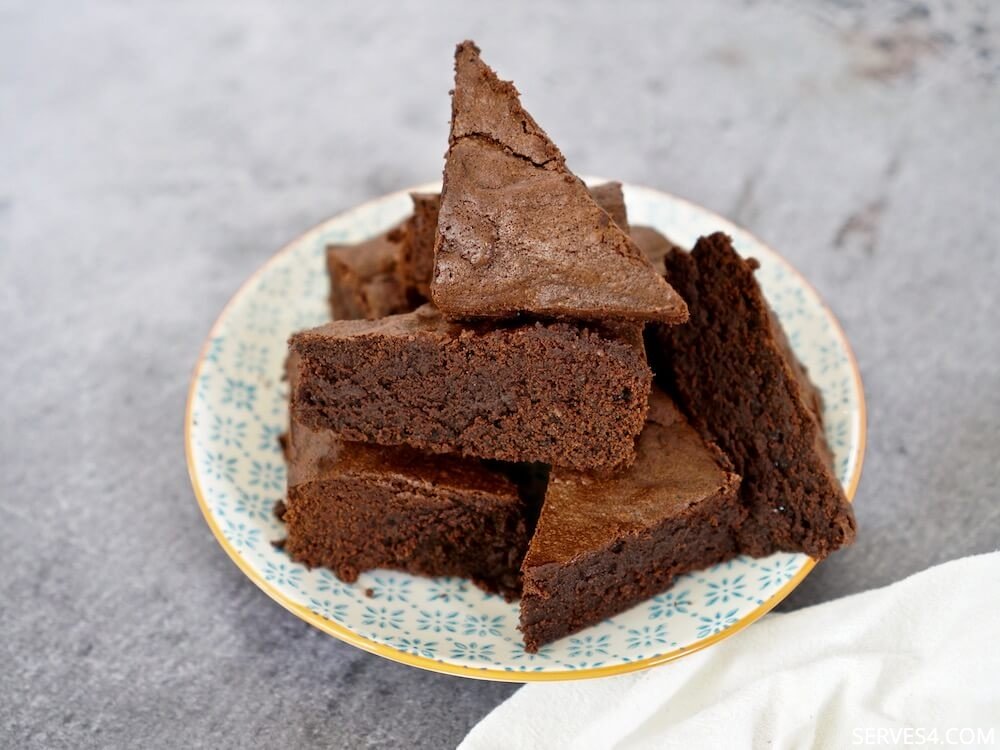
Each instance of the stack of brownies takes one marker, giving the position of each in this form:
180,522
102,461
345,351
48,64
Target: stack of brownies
483,404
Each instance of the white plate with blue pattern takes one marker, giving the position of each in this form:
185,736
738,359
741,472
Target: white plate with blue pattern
237,408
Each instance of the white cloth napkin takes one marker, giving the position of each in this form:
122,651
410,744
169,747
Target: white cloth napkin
917,659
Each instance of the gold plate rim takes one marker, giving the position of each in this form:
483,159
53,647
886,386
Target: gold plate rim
349,636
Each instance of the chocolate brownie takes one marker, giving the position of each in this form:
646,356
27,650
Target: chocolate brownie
609,196
416,258
518,232
654,245
735,376
363,279
603,545
353,507
557,393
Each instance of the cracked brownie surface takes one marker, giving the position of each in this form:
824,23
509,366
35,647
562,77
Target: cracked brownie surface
518,232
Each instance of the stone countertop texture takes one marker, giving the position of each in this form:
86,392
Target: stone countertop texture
153,155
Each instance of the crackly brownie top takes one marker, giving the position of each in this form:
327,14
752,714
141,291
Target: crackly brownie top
427,321
318,455
518,232
484,106
673,471
416,254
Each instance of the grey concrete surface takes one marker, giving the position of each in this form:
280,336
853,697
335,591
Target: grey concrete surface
152,155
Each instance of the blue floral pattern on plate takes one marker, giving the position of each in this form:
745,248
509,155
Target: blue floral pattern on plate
238,409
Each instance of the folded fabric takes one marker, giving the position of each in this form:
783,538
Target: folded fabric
916,662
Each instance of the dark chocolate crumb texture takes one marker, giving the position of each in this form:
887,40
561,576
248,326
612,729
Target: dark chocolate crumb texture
556,393
353,507
734,374
603,545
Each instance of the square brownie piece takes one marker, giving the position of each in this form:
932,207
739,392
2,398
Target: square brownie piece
603,545
556,393
363,278
354,507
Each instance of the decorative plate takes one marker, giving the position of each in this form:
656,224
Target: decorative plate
237,408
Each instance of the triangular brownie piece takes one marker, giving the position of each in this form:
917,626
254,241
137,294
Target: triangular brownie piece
518,232
604,544
734,374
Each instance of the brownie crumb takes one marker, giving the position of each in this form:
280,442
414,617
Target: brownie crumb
353,507
735,375
548,392
603,545
363,277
